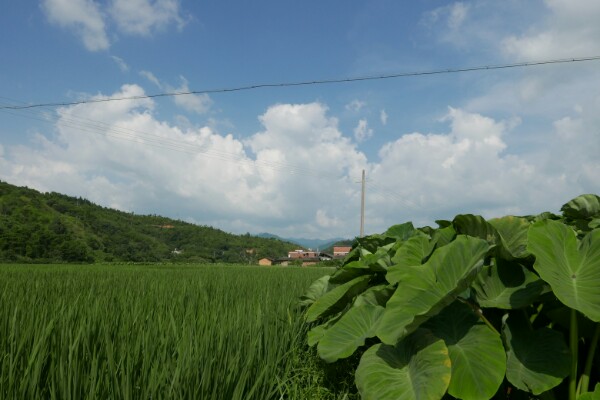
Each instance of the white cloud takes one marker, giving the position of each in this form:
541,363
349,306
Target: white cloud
90,19
143,17
452,15
324,221
383,117
81,16
355,105
570,30
120,63
198,103
150,76
298,175
362,131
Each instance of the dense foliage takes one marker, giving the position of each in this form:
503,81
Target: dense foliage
152,332
506,308
52,227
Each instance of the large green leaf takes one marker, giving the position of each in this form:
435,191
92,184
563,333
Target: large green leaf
513,235
416,368
582,207
350,271
412,252
536,360
425,290
595,395
477,226
317,332
317,289
572,269
346,335
443,236
476,352
507,285
373,242
375,295
401,231
336,299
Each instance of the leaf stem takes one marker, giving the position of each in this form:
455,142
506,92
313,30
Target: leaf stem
585,377
479,312
573,341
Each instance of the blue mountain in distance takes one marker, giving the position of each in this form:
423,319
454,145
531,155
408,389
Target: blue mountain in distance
314,244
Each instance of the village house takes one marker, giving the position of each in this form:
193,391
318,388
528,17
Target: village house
341,251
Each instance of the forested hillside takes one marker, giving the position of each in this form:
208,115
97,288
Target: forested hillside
51,227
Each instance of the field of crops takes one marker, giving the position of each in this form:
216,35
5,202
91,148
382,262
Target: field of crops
150,331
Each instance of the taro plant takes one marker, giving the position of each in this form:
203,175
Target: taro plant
505,308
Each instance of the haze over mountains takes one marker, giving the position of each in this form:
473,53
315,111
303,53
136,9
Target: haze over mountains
314,244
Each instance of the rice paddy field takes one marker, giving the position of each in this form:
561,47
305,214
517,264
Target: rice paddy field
155,332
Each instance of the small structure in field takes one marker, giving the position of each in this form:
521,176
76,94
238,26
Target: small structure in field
265,261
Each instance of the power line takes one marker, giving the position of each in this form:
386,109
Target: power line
313,82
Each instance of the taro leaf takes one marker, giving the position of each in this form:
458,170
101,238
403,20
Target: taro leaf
412,252
349,333
442,223
317,332
443,236
373,242
424,290
572,270
507,285
401,231
513,234
594,224
350,271
595,395
417,367
317,289
476,352
376,296
336,299
536,360
379,261
477,226
582,207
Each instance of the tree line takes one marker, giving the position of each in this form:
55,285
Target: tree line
53,227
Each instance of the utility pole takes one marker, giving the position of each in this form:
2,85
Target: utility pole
362,206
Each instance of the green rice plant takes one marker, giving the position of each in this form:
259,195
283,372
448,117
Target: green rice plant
148,332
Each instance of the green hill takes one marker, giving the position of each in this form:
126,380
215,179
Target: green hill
51,227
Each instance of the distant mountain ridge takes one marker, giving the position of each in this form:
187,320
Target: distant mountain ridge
314,244
52,227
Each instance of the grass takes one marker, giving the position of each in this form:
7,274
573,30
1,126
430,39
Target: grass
157,331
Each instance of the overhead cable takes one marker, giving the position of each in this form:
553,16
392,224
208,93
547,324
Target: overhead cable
308,83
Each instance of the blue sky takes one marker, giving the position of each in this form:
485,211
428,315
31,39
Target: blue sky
286,160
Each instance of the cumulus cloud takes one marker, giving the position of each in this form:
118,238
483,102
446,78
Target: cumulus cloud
83,17
324,221
143,17
571,29
90,20
198,103
362,131
298,174
119,154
